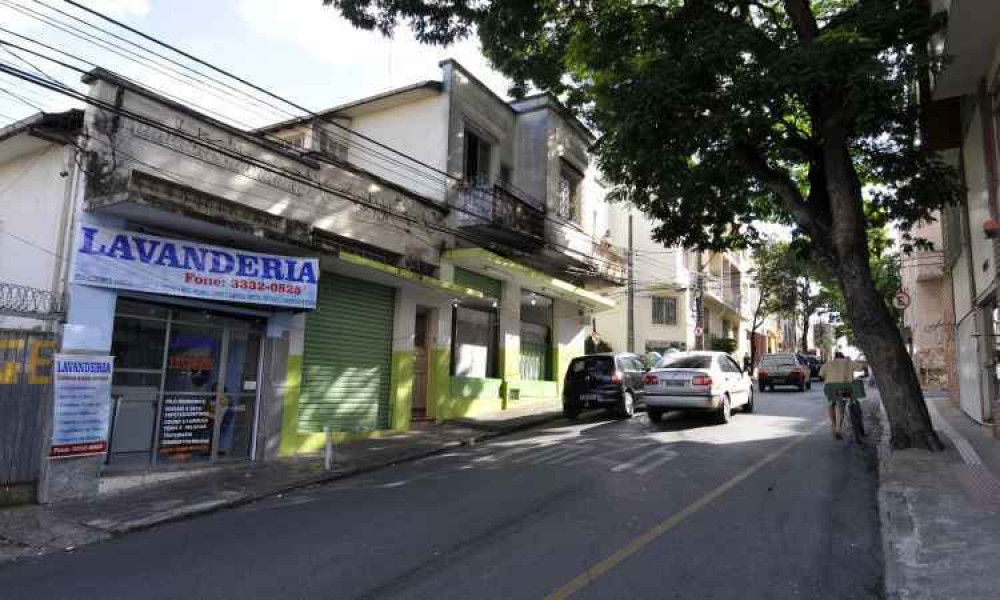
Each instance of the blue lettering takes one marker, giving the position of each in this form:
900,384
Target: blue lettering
88,242
247,265
168,257
271,269
120,248
194,258
145,252
222,262
307,274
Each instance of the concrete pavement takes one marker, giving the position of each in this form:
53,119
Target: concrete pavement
939,513
35,530
768,506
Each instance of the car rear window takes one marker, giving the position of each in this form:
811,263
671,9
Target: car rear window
593,365
686,362
779,361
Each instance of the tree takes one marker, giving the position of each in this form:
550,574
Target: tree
785,270
769,282
886,268
714,115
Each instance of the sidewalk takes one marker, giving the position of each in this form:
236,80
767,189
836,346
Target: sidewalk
35,530
941,512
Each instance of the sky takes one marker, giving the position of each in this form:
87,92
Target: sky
297,48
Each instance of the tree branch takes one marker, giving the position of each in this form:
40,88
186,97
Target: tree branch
802,17
779,182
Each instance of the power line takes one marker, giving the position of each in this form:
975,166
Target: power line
6,68
319,116
475,215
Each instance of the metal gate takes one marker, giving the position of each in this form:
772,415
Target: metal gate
25,387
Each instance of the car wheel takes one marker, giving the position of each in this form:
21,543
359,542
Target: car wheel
725,411
626,408
655,415
748,407
571,412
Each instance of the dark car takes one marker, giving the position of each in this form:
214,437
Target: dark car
813,363
611,381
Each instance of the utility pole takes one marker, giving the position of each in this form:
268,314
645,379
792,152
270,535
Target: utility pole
699,304
630,324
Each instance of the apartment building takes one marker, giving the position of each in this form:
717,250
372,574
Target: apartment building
960,121
683,300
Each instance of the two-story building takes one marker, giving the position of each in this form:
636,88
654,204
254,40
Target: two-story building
530,222
428,253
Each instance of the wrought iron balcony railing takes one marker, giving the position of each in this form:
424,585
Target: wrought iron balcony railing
492,206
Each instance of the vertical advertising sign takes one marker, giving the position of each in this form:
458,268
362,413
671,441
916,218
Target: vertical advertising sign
82,405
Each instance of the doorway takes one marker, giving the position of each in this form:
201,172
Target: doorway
421,366
185,385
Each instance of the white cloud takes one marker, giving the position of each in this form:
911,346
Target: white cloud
360,62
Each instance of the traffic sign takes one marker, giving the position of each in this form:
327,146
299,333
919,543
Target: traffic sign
901,300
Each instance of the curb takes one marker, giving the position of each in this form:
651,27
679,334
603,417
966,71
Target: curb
211,507
890,583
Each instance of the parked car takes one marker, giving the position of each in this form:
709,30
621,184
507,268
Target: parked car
814,364
611,381
782,369
705,381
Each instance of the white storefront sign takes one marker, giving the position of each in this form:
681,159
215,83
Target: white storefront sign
128,260
82,405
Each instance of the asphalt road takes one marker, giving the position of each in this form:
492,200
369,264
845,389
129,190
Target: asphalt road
768,506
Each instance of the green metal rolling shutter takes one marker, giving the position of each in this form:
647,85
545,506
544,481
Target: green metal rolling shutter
347,362
490,287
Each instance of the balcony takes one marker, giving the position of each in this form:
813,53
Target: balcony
608,264
501,214
929,264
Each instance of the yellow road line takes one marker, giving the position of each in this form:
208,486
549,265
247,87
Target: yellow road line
587,577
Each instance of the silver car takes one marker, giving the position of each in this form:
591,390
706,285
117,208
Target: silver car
705,381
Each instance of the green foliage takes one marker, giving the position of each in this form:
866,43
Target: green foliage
702,105
720,344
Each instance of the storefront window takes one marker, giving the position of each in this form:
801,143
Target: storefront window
475,339
536,336
185,385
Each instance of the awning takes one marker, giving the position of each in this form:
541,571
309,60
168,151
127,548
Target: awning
367,268
488,263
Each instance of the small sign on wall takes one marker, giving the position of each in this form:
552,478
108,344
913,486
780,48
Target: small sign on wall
81,388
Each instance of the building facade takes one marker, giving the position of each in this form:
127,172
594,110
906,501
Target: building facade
683,300
426,254
928,322
960,121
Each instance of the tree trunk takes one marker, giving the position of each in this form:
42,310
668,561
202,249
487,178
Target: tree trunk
882,343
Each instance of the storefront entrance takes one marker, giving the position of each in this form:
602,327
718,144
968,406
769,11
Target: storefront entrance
185,386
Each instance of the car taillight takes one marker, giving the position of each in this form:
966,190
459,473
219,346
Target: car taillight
701,380
617,377
651,379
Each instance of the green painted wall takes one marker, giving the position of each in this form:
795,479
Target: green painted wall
469,396
290,409
438,381
401,398
538,390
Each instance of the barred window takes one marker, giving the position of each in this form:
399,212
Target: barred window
664,311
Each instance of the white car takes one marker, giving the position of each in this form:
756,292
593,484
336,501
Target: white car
706,381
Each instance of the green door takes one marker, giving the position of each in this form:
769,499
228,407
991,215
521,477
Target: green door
347,362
